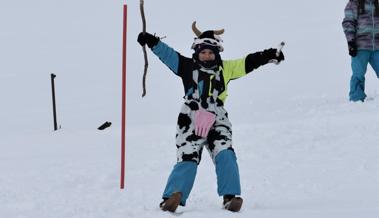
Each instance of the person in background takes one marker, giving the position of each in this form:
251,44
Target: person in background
361,28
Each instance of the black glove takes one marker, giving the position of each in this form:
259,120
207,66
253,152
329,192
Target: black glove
352,48
270,54
147,38
257,59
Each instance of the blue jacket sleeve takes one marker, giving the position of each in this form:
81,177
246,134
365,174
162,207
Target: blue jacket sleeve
167,55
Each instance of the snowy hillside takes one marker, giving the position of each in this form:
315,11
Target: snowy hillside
303,149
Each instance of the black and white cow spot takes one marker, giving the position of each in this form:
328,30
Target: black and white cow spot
193,138
190,157
184,121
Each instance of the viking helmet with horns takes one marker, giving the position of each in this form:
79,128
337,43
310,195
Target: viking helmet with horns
210,38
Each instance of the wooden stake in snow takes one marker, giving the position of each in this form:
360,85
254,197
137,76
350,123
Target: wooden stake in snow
123,109
54,105
144,49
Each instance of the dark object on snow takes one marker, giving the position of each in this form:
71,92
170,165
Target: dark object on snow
105,125
54,105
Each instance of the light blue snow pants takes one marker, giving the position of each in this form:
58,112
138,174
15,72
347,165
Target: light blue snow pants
359,66
183,176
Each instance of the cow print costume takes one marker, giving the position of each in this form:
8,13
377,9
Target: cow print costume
205,89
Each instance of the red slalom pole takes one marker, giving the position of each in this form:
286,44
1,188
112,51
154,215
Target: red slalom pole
123,113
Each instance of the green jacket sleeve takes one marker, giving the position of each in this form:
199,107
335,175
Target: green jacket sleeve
234,69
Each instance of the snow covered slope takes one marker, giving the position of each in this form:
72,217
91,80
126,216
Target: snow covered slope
302,148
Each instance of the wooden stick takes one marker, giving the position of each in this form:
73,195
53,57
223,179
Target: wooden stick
144,49
123,102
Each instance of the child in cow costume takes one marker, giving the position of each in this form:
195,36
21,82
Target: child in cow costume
203,120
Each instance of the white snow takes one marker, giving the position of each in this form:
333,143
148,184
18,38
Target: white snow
303,149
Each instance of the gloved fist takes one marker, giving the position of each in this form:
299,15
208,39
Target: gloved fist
352,48
147,38
272,55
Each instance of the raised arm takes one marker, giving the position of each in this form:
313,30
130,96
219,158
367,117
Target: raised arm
165,53
257,59
241,67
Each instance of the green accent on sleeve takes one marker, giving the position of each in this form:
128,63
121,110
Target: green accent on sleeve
233,69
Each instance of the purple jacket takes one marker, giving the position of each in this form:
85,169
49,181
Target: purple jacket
362,28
